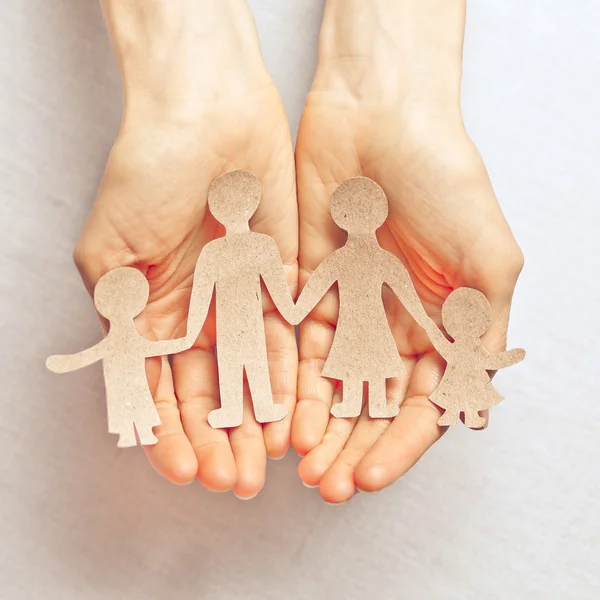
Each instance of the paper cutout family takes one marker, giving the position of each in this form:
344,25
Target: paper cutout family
363,348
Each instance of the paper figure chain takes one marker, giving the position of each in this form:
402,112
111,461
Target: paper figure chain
363,349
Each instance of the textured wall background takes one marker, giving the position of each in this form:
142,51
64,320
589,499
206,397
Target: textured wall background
510,513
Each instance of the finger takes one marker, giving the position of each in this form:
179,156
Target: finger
282,355
410,434
496,277
195,374
249,451
493,267
172,456
338,485
97,252
500,298
316,463
315,393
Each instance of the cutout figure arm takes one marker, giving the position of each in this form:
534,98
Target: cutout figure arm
165,347
500,360
399,281
273,275
202,291
438,340
323,277
63,363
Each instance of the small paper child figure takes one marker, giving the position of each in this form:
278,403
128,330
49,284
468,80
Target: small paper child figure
363,348
466,386
234,265
119,296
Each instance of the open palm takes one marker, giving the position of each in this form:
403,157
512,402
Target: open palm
447,228
151,213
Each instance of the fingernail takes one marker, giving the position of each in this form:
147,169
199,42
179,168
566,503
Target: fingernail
310,487
245,497
366,491
278,457
335,503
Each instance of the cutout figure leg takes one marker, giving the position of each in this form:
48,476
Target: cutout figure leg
265,411
231,385
450,417
473,420
378,406
127,436
351,403
146,435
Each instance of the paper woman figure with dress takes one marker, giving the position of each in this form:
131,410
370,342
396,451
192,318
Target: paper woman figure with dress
363,348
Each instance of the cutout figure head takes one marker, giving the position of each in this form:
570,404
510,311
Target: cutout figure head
466,313
359,206
121,294
234,197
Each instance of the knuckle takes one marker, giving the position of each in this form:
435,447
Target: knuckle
502,266
79,255
87,254
516,260
511,262
90,260
82,255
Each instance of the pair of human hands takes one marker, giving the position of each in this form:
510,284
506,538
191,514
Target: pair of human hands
385,104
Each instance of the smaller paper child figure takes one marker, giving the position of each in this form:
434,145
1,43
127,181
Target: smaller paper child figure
363,348
466,386
119,296
234,265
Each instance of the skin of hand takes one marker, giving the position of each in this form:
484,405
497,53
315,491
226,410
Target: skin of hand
385,103
198,102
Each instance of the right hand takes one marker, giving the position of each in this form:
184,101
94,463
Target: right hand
199,102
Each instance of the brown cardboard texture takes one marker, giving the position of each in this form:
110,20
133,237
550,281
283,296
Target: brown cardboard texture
363,349
234,265
119,296
466,386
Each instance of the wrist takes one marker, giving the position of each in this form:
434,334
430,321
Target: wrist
392,52
181,55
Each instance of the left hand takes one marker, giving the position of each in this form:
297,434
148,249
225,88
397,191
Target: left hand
373,112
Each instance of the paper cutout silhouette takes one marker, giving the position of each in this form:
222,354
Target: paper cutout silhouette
234,265
119,296
466,386
363,349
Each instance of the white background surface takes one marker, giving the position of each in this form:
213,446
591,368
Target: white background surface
510,513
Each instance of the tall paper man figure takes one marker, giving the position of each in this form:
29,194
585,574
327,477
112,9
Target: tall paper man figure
233,265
